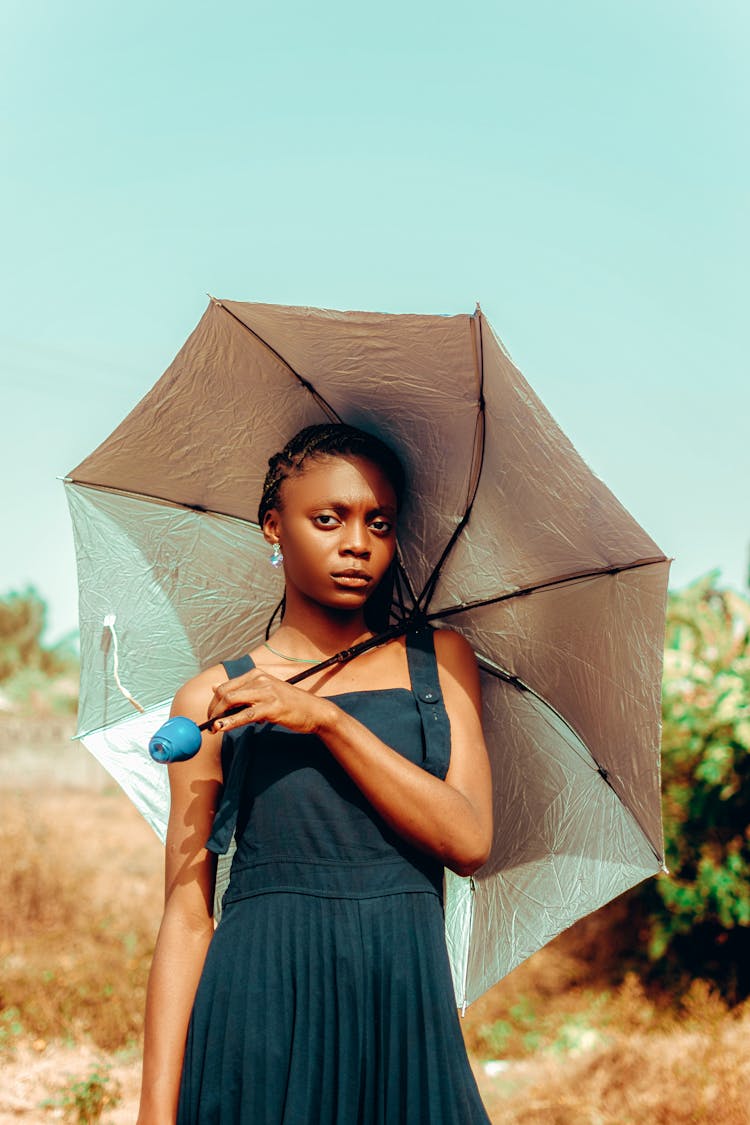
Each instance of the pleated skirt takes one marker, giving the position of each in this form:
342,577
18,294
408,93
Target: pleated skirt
328,1011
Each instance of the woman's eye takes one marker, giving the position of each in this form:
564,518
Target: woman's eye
380,525
325,520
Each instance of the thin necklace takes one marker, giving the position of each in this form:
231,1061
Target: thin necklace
293,659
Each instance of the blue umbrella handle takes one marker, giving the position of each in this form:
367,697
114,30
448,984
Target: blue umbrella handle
179,739
176,741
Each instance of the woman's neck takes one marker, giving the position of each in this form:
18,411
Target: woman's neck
317,632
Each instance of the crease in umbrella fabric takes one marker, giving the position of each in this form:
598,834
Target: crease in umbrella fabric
507,535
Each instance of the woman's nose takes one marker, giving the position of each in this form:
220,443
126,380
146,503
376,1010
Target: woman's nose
355,541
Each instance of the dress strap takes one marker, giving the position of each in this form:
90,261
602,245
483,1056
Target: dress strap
233,765
436,729
235,668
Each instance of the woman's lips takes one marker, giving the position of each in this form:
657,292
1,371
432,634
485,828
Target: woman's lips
352,577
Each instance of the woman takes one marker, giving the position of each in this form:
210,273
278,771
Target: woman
324,995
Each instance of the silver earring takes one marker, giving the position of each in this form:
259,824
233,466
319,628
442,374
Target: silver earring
276,556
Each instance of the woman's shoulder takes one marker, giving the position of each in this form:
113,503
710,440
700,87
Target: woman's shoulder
451,646
196,694
456,660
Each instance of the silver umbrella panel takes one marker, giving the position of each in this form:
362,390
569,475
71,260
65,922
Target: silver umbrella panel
507,536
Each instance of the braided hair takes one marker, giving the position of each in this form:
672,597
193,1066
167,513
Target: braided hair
326,440
331,440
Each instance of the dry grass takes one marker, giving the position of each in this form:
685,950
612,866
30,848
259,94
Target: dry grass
75,946
674,1077
633,1062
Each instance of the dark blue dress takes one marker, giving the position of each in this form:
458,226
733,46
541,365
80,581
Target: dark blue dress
326,996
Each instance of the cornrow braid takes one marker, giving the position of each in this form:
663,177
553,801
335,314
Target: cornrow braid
327,439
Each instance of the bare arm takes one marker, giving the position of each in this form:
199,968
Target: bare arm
451,819
187,923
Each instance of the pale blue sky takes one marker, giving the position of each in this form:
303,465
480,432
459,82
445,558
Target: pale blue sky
582,169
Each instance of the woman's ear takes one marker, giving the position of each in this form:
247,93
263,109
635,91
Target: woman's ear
271,527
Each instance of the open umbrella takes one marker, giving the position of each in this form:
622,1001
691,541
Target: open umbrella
507,536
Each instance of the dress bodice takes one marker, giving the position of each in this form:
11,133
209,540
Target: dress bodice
299,820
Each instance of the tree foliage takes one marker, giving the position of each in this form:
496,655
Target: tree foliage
28,666
700,911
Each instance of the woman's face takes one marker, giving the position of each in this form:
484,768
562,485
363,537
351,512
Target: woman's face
337,529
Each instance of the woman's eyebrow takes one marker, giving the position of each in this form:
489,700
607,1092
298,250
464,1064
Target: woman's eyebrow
341,506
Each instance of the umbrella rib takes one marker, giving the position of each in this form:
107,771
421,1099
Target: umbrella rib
166,500
500,673
495,670
477,462
398,605
404,582
401,574
523,591
515,681
323,403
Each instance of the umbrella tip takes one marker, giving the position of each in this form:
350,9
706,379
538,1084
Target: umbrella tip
477,309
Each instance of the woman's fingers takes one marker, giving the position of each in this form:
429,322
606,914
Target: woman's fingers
238,719
253,697
233,693
257,697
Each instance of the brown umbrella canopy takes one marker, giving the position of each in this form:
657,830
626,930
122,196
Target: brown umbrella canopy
507,535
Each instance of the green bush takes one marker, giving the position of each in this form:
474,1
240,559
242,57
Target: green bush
699,914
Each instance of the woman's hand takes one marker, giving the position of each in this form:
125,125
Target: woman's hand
266,699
